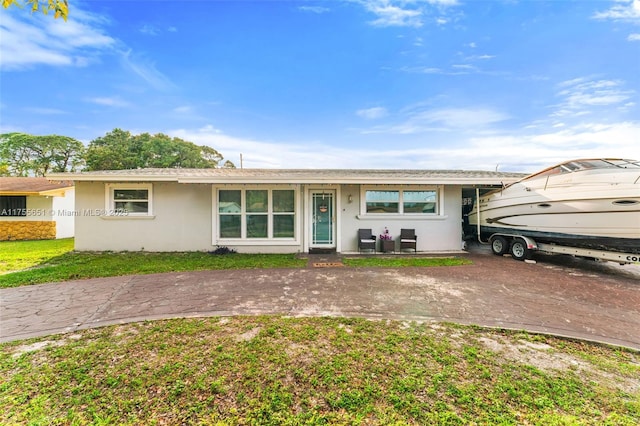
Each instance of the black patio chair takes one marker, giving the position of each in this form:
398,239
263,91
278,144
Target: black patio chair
408,239
366,240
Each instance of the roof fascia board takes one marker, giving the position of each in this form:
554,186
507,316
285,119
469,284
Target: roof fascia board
20,193
283,179
354,181
113,178
59,192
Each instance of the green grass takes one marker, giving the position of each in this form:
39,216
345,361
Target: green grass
36,262
17,255
273,370
62,264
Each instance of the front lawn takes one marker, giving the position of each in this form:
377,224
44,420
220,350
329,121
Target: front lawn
274,370
57,262
17,255
37,262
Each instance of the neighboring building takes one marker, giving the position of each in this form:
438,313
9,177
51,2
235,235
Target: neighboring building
35,208
269,210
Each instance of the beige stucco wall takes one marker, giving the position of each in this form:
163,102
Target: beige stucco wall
181,220
435,233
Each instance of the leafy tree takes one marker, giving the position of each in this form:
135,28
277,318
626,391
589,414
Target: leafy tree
119,150
22,154
4,169
60,8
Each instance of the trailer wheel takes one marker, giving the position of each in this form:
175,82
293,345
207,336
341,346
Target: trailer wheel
499,245
519,249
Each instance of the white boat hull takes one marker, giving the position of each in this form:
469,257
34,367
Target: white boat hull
588,209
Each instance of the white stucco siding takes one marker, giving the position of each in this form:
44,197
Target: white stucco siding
183,218
63,211
439,232
180,220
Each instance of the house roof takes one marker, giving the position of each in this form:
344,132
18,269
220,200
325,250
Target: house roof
296,176
33,186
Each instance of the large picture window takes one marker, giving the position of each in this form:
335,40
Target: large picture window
13,205
401,201
256,213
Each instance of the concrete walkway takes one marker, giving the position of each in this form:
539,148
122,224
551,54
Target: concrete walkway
557,295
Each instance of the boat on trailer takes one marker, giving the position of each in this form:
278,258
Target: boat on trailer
587,203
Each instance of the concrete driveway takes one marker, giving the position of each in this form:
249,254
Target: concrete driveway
557,295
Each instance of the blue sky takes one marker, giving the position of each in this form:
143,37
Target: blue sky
435,84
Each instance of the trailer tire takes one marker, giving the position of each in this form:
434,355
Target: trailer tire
499,245
519,250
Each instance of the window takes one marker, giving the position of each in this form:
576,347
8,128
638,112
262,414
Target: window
419,201
13,205
129,200
256,213
383,201
401,201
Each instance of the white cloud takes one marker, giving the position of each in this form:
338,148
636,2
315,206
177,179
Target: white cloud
634,37
480,57
623,10
405,13
518,151
418,120
110,102
185,109
149,29
146,70
314,9
461,118
263,154
394,16
41,40
372,113
443,2
581,141
582,95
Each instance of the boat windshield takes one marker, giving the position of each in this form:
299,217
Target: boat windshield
579,165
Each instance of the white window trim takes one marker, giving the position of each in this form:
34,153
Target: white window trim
439,214
243,240
110,211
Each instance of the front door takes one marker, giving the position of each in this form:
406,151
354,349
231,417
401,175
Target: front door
323,232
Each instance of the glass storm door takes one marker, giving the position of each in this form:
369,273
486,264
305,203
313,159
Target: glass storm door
323,219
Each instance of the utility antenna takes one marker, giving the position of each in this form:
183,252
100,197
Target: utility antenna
497,165
241,160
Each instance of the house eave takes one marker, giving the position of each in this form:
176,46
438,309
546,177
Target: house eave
294,177
396,182
49,193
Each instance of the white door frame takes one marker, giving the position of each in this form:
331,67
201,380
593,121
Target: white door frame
334,192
